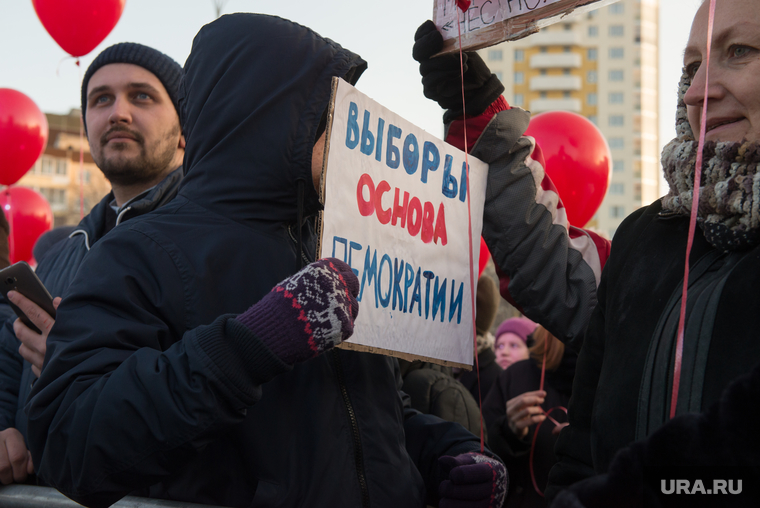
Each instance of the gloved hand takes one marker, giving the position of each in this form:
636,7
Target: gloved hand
441,76
474,481
307,313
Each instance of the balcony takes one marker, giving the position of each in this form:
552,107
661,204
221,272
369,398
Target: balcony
555,38
541,105
549,83
561,60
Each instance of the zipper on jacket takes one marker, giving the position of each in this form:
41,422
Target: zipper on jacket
303,256
358,453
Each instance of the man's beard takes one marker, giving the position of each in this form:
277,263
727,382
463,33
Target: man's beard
146,167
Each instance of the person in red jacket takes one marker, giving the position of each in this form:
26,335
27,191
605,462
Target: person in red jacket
547,268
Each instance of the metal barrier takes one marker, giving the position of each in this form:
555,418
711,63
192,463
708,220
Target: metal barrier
28,496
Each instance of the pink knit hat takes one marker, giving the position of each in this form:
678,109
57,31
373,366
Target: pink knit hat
520,326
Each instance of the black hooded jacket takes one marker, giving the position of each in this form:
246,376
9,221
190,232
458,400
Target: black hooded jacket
56,269
151,388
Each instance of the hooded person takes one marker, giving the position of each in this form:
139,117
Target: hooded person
164,381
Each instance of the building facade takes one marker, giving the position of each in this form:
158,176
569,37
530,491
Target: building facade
71,191
603,65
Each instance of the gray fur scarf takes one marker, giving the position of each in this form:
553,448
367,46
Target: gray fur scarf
729,199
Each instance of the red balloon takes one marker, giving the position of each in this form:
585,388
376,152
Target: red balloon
578,161
23,135
78,26
484,255
29,216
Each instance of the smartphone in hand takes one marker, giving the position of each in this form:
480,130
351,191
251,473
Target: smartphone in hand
20,277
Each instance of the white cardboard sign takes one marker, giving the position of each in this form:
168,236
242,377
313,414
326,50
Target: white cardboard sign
489,22
396,211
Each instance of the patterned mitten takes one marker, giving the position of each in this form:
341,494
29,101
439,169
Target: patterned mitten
474,480
307,313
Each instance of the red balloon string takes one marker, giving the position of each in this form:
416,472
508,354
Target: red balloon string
547,414
81,155
692,220
469,235
9,209
67,57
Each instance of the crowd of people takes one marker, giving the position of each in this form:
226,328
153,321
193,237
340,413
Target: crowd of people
192,356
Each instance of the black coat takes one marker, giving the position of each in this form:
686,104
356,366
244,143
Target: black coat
521,377
488,370
150,386
624,374
56,269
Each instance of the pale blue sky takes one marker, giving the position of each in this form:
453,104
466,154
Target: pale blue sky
381,32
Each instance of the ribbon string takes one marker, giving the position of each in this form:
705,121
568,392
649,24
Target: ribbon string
463,5
692,220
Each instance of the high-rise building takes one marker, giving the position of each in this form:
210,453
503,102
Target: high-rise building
56,174
602,65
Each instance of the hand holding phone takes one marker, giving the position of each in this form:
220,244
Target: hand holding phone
36,309
33,345
21,278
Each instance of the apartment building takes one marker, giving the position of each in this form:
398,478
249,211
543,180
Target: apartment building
603,65
57,176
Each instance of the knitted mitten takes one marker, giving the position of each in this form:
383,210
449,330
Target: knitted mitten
474,480
307,313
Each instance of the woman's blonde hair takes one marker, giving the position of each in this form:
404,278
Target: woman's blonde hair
543,341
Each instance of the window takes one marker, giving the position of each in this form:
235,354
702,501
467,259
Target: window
54,196
543,72
86,177
519,78
617,143
566,49
591,54
519,55
566,72
616,120
542,95
518,99
499,75
543,49
617,212
618,166
616,75
616,97
593,31
591,77
616,8
591,99
592,119
616,53
495,55
60,167
566,94
617,189
46,166
616,30
567,27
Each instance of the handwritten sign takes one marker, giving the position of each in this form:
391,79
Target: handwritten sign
489,22
396,211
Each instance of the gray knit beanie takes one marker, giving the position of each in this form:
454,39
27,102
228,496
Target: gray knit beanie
162,66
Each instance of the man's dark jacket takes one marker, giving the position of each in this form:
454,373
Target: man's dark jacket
152,386
56,269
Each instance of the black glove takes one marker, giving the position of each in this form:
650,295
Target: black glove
441,80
